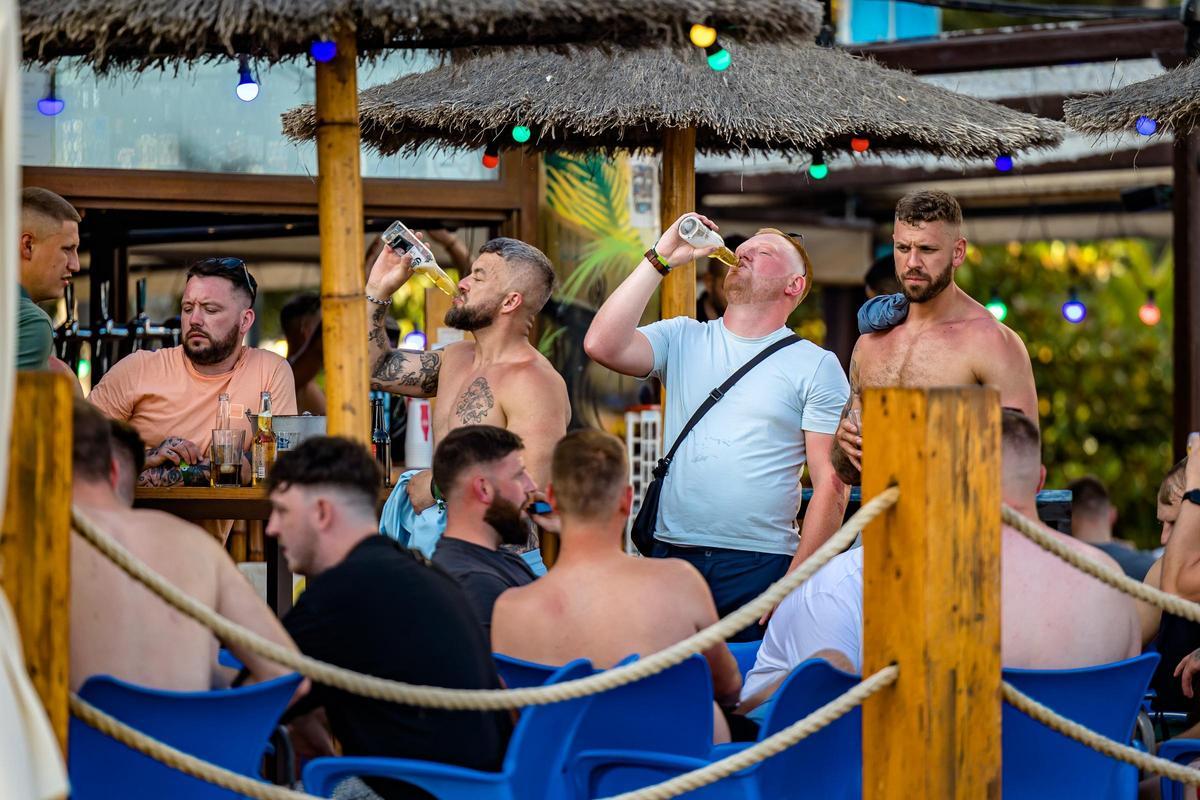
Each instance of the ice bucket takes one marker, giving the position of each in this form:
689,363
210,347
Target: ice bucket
291,429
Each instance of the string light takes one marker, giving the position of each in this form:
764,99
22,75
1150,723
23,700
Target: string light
491,156
860,144
521,133
818,169
1150,313
702,35
1146,126
322,51
1004,162
51,105
1074,310
997,308
718,57
247,86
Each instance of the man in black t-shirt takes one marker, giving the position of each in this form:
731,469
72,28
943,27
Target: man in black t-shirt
480,469
323,514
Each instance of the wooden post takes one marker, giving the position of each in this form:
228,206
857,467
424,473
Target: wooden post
931,593
1187,289
340,206
35,541
679,197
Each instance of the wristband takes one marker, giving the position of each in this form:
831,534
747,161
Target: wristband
379,302
1192,496
658,262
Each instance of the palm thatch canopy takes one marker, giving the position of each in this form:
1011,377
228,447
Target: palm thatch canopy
785,97
1171,100
143,33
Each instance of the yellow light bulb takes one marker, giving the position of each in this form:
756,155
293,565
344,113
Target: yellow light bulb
702,35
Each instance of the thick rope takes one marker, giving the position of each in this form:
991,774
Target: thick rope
1118,580
483,699
177,759
1102,744
772,745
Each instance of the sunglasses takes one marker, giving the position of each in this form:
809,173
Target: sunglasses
238,273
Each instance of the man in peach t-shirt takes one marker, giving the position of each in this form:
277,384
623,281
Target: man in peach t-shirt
170,396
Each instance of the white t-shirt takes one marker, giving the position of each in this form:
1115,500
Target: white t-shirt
824,613
735,482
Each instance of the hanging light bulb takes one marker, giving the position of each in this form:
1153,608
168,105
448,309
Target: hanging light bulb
247,87
1004,162
1150,313
491,156
521,133
1146,126
702,35
818,170
997,307
1074,310
51,105
860,144
718,57
322,51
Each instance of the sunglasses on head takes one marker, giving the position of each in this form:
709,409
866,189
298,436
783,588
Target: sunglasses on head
237,269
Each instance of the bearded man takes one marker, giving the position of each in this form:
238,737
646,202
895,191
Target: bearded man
933,333
498,379
170,395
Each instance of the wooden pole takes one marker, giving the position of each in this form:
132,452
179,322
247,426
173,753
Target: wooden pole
35,540
340,206
931,593
679,197
1187,289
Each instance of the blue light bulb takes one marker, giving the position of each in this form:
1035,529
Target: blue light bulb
50,106
1146,126
322,51
1004,162
247,87
1074,310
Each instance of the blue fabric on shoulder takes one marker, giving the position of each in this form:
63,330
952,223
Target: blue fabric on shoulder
399,521
882,313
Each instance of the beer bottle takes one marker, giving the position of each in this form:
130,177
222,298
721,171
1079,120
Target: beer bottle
223,407
698,235
264,443
381,440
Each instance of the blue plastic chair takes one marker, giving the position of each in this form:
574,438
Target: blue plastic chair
745,653
518,674
534,755
1039,762
228,727
826,765
1181,751
227,659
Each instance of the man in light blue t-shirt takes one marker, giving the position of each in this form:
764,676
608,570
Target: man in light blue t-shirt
730,500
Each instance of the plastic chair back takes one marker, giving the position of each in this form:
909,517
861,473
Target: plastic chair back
228,727
538,749
518,674
745,653
1039,762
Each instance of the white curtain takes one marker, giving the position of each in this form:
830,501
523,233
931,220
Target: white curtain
10,182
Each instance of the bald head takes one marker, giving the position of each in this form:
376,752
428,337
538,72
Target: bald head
1021,459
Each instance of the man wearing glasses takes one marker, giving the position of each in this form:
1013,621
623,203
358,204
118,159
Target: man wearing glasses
170,396
729,503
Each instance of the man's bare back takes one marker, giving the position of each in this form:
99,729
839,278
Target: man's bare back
119,628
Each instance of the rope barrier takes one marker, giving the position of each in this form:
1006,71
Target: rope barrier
482,699
1102,744
177,759
1119,581
772,745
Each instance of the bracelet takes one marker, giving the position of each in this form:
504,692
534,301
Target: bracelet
658,262
379,302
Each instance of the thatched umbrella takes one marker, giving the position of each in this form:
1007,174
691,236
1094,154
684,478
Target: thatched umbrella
785,97
1168,101
143,33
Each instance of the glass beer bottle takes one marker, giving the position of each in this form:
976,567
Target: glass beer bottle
381,440
264,443
698,235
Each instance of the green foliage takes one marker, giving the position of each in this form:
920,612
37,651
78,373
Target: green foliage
1104,385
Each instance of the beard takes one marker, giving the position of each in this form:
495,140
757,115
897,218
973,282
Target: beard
742,287
507,521
931,290
213,351
471,319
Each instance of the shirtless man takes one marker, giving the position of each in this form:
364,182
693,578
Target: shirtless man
117,626
1052,615
947,339
599,603
499,379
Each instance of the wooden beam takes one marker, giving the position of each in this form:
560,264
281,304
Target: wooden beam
35,540
679,197
340,202
931,593
1186,242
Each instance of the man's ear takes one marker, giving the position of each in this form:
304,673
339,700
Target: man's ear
1112,516
114,474
627,500
551,498
247,321
481,489
795,287
325,513
960,252
512,301
1041,476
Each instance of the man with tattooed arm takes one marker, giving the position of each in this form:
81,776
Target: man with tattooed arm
498,379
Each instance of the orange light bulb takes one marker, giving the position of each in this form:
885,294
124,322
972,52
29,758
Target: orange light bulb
860,144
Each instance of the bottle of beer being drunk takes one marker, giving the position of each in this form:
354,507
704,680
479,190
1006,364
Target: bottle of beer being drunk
264,443
381,440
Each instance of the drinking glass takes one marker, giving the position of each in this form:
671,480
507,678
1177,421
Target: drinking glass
226,456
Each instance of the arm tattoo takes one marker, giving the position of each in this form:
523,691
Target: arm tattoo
378,334
166,475
400,368
475,402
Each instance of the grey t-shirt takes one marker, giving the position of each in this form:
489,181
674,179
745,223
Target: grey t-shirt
483,574
1134,563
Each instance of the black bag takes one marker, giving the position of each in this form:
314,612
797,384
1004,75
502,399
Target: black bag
642,532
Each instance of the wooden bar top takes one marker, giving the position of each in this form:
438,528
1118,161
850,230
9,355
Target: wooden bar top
203,502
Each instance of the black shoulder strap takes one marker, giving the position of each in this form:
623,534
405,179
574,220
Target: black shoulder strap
660,470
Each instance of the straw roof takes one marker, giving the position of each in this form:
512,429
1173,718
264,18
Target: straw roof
142,33
786,97
1172,100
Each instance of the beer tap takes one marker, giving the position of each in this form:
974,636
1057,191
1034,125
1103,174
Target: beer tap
69,335
108,333
144,331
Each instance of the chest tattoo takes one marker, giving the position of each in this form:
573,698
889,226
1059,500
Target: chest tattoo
475,403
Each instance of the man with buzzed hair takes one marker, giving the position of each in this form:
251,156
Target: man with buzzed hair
498,379
729,503
49,253
933,333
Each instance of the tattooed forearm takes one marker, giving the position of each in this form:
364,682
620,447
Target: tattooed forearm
400,369
378,334
475,402
166,475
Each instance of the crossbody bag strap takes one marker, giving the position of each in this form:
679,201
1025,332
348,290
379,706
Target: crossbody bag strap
660,469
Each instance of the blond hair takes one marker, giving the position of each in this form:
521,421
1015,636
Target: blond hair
588,472
794,239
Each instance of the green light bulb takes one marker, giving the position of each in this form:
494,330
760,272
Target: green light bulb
818,172
720,59
997,309
84,369
521,133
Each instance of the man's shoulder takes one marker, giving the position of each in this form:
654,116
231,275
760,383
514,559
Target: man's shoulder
264,360
29,312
